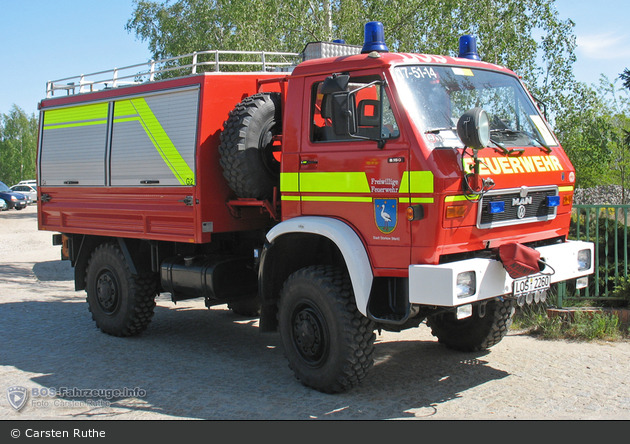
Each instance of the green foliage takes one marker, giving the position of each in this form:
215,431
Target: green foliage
517,34
596,325
621,289
585,131
18,146
593,130
583,325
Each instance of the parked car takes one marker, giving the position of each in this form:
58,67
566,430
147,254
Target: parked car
14,200
27,190
3,205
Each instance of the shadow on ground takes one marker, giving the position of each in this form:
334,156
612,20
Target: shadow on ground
213,364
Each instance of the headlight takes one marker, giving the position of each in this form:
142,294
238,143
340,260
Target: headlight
14,199
584,260
466,284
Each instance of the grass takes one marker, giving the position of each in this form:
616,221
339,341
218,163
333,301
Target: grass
582,326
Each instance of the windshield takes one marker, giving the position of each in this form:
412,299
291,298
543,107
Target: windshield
436,96
3,187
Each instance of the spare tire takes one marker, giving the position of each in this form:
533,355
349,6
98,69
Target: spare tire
247,147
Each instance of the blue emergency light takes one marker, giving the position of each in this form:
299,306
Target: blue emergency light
374,38
553,201
496,207
468,47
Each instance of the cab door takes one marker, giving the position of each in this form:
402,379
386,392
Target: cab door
358,174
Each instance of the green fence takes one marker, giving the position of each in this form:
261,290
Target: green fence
607,227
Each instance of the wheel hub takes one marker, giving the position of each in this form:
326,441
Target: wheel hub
309,336
106,292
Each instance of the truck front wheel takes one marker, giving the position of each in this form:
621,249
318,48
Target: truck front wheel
121,303
329,344
485,328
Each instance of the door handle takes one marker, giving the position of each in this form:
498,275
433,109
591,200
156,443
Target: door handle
308,162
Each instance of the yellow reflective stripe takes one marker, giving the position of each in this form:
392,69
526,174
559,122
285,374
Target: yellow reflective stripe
407,200
285,197
563,189
421,200
139,110
337,182
460,198
75,116
313,198
289,182
417,182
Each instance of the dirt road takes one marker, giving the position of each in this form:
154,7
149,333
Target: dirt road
195,363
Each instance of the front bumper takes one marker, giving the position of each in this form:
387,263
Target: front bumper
437,284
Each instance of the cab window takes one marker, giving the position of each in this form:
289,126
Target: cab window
370,119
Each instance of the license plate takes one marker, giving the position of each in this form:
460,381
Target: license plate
531,284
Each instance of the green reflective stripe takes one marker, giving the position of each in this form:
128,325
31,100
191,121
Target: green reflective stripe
417,182
76,116
460,198
408,200
285,197
312,198
139,110
346,182
289,183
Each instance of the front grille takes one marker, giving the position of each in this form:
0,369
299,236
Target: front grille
532,199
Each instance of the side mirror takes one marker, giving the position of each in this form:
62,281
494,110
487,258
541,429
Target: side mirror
335,83
473,128
344,119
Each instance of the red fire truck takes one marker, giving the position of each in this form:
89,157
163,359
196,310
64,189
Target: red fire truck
358,190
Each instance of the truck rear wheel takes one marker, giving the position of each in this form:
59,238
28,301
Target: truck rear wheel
329,344
477,332
121,303
247,147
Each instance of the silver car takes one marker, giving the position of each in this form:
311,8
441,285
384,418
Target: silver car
29,191
3,205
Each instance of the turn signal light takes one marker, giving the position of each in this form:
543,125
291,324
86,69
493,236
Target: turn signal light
415,212
455,211
567,199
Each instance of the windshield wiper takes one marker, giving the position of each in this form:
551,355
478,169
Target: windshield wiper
438,130
531,136
543,146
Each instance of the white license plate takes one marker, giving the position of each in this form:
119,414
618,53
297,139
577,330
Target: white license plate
531,284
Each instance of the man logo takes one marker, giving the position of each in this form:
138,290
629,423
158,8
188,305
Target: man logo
17,396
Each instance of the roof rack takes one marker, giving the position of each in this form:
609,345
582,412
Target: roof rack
150,71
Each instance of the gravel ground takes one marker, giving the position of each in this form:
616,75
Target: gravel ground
195,363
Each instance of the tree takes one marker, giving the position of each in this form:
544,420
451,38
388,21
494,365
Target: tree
526,36
592,131
625,76
18,146
584,132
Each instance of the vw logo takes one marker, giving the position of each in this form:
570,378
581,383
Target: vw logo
520,213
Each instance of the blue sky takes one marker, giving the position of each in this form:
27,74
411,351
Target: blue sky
51,39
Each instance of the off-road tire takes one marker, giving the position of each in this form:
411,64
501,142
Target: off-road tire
329,344
474,333
247,146
248,308
121,303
